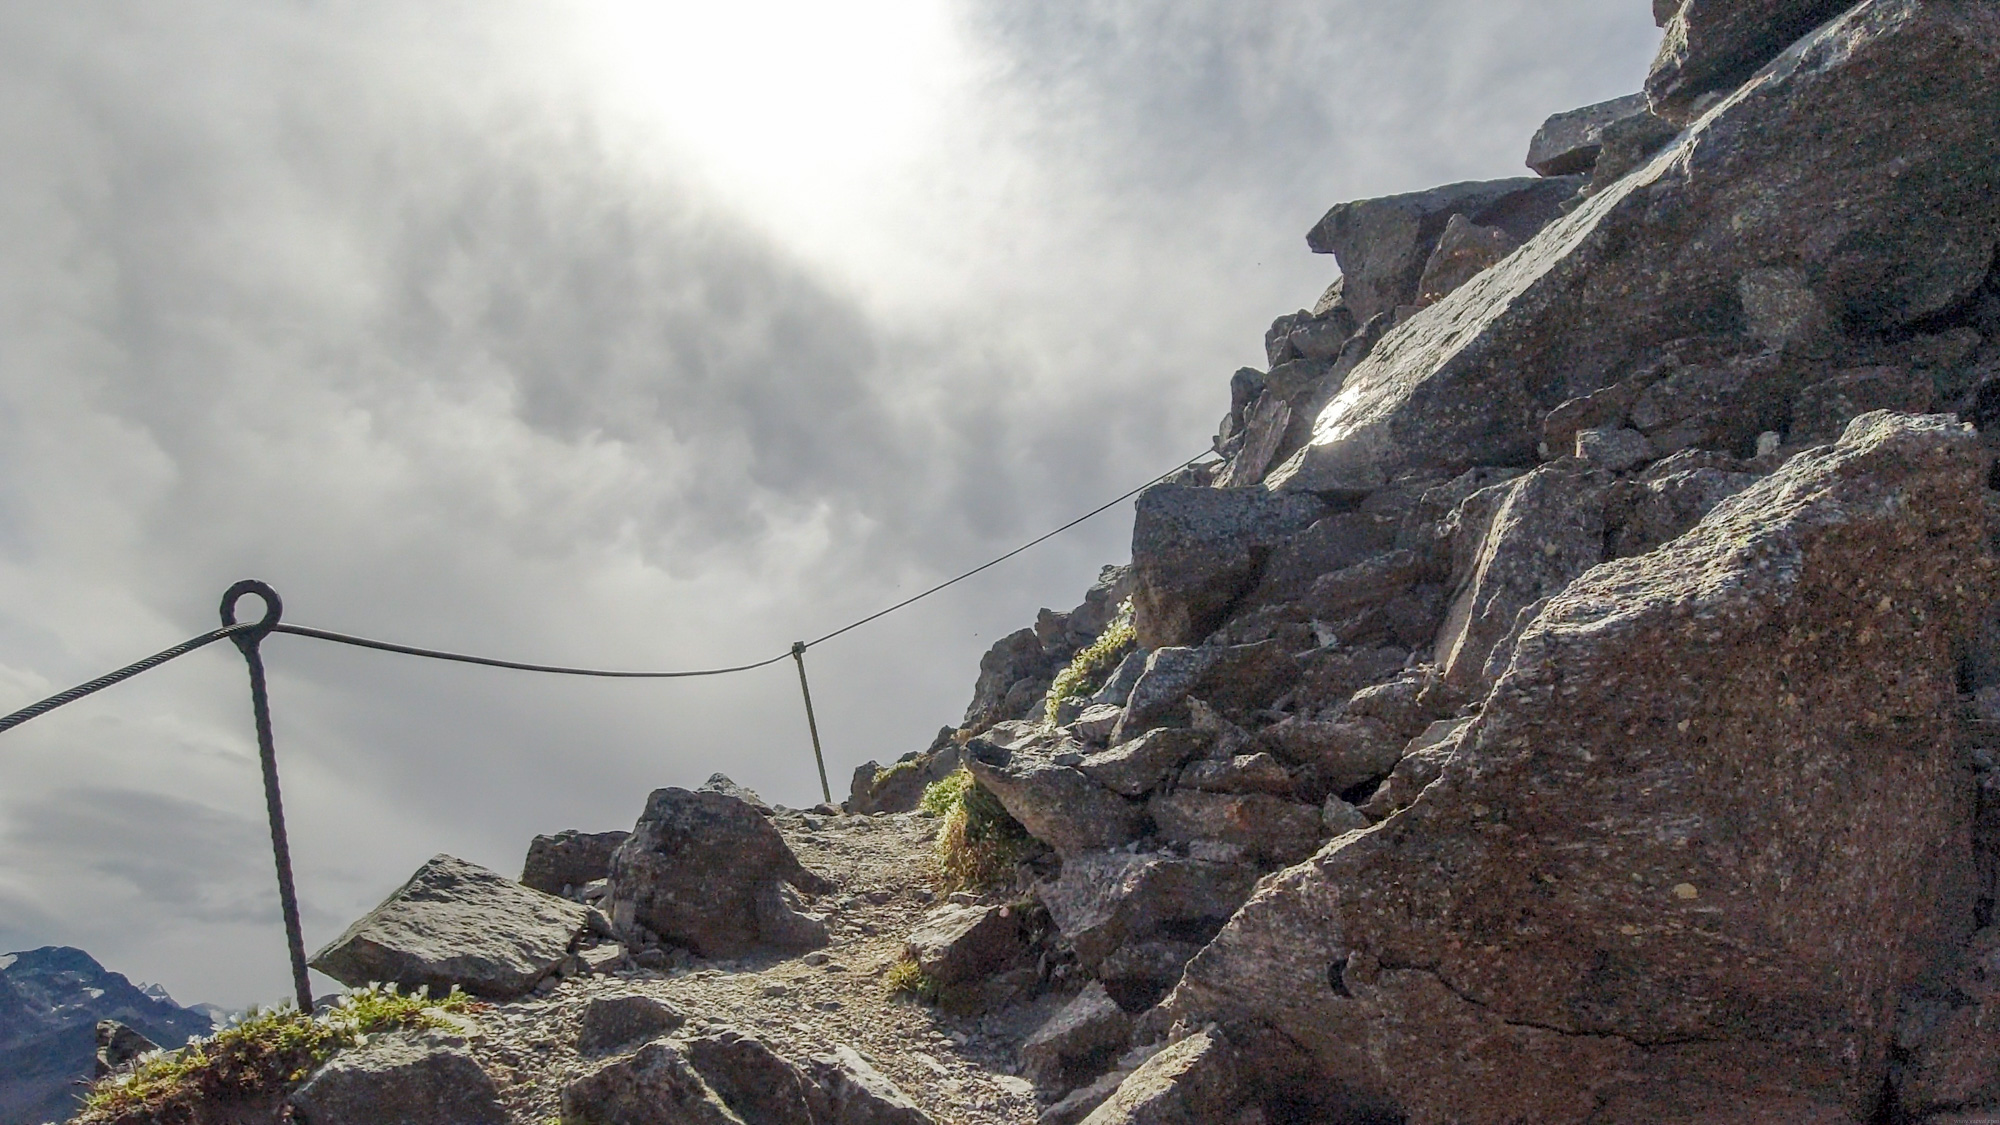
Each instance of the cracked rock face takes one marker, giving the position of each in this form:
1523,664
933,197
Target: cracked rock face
1693,849
1883,225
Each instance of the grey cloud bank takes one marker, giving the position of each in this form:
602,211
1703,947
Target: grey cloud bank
382,306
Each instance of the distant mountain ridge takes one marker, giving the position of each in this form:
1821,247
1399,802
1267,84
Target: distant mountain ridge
50,1001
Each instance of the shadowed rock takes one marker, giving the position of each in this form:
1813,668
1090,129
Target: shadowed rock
709,872
1714,45
752,1080
1196,551
569,859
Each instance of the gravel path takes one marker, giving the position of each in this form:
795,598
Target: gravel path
959,1069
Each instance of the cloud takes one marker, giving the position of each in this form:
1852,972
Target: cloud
422,315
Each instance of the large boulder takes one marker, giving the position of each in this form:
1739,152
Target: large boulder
456,924
569,859
400,1080
1228,677
1713,46
1382,245
1196,551
1812,168
1707,829
708,871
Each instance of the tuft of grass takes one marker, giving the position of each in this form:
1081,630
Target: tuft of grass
942,796
1093,662
264,1053
905,978
979,842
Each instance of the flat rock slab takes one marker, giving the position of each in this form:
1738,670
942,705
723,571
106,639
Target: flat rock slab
1708,826
1812,167
456,924
1568,143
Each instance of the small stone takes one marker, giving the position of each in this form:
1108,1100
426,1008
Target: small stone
603,959
1341,818
614,1022
1613,450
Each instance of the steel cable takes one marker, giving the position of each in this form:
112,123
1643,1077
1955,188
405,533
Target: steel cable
36,710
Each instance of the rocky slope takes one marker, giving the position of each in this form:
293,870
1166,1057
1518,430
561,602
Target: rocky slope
51,1001
1573,696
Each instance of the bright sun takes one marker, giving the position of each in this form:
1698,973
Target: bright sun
782,96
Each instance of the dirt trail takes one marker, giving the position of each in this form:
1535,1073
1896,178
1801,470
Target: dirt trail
959,1069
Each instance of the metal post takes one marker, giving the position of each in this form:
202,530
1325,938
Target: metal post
260,708
799,655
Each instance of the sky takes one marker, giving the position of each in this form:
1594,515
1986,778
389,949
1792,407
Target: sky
645,335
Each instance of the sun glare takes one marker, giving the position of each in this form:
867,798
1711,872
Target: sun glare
782,96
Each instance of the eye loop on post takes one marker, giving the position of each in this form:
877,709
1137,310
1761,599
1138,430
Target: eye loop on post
274,609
